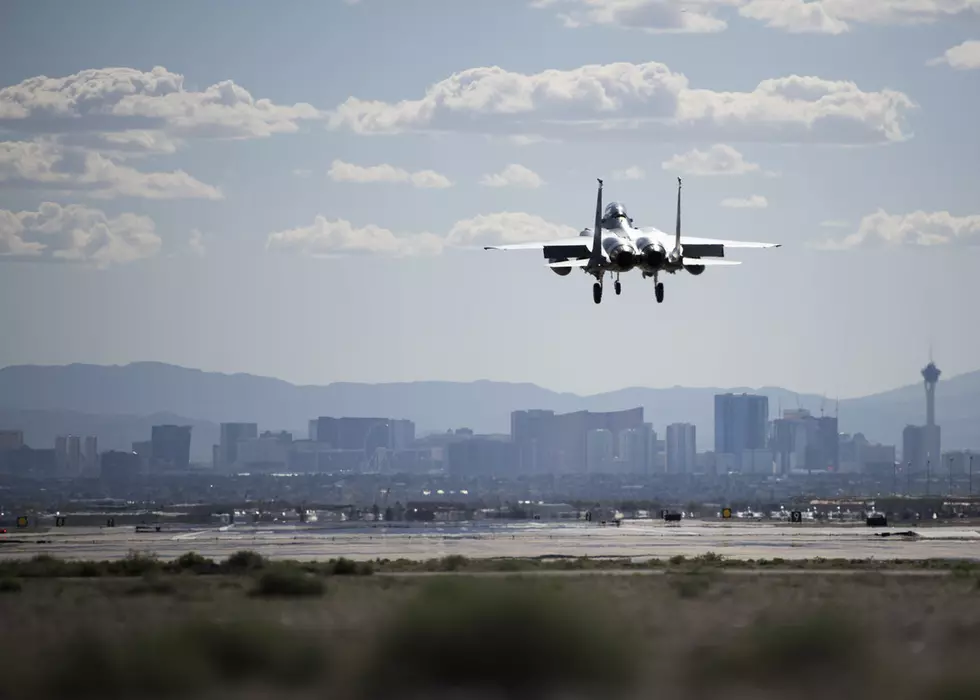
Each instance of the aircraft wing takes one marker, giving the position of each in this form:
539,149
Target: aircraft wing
709,246
581,262
690,240
560,243
697,262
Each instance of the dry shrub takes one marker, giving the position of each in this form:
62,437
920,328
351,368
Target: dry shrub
506,638
191,659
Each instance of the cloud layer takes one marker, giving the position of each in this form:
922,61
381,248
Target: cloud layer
631,100
717,160
514,175
46,165
75,233
965,56
756,201
919,228
348,172
339,237
708,16
138,102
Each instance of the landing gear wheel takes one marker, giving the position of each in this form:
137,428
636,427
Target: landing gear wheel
659,290
597,292
618,287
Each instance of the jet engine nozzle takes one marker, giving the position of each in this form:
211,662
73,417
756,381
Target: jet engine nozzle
654,256
623,257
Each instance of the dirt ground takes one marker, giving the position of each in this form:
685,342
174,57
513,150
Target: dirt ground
685,635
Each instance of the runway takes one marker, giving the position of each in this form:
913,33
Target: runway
639,539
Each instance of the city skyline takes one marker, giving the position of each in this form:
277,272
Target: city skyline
202,185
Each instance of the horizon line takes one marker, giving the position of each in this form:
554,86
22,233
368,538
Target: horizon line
470,381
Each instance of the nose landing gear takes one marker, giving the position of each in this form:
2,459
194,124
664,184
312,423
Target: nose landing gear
659,291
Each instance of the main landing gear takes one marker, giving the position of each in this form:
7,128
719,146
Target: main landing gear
597,292
617,286
658,288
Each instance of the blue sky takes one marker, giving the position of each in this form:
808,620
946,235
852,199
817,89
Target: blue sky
300,189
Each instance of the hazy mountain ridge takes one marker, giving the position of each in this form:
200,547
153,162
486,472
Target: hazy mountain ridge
146,388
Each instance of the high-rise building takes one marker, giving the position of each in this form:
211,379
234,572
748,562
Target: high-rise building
599,451
11,439
557,444
682,451
90,455
61,453
74,455
171,446
634,450
741,423
231,435
801,441
366,434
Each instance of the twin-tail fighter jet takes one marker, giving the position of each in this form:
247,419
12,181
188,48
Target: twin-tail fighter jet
615,246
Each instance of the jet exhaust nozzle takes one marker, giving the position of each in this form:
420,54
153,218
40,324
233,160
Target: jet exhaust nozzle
654,256
623,257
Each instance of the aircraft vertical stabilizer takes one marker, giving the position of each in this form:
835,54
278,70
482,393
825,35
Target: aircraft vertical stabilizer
595,258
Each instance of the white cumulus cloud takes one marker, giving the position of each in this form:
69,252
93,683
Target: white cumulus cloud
634,172
650,16
196,245
514,175
756,201
328,238
707,16
720,159
506,227
965,56
348,172
75,233
918,228
332,238
635,100
49,166
127,99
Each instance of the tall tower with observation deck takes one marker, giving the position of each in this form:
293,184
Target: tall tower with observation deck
930,373
930,432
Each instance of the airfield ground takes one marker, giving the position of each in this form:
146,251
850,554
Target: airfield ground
637,540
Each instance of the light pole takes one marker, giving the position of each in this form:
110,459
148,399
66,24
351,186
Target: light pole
971,475
908,478
895,477
928,475
950,487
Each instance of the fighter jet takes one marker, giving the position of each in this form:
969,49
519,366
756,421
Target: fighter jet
615,246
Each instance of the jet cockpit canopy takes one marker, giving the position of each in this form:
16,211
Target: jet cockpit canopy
614,209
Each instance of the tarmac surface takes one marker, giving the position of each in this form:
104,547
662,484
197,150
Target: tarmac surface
639,539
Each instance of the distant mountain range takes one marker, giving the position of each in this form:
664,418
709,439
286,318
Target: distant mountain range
120,403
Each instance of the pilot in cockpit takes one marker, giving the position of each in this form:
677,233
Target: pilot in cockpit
614,210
